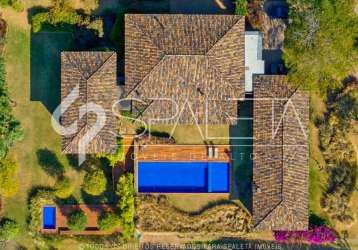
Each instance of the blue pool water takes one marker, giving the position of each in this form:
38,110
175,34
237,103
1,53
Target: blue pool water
49,217
183,177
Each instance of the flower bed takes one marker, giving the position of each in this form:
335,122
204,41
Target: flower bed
316,235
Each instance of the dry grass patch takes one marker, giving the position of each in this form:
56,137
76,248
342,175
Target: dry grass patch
156,214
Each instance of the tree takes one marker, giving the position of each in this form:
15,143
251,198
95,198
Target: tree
10,130
241,7
321,47
125,192
15,4
109,221
58,15
8,229
9,182
95,182
63,188
77,221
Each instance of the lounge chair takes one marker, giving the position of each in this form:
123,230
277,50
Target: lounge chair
216,152
210,152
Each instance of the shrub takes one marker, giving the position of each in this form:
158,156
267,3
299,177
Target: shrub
94,182
15,4
125,193
118,156
347,106
8,229
109,221
9,182
77,221
241,7
342,182
63,188
37,201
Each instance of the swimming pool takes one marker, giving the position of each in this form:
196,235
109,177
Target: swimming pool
49,217
183,177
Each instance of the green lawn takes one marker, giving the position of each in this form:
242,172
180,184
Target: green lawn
33,115
192,134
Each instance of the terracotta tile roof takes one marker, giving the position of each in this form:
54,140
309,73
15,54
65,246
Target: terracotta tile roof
95,75
280,168
190,58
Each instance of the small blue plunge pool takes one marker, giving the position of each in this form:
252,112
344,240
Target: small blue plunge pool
49,217
183,177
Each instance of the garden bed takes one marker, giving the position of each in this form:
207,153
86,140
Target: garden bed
156,214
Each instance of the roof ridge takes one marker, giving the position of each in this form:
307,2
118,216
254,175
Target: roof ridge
216,44
146,35
270,212
147,75
73,138
74,65
100,67
223,35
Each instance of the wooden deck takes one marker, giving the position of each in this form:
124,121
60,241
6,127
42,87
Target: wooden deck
181,153
92,212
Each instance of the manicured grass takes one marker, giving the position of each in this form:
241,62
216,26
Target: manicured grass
192,134
33,115
317,173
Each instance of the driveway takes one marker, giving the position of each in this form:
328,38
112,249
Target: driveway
202,6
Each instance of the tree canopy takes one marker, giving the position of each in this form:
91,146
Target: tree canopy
10,130
94,182
321,46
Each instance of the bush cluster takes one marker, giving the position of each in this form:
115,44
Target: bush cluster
339,154
77,221
94,182
241,7
8,229
62,15
316,235
341,186
125,192
109,221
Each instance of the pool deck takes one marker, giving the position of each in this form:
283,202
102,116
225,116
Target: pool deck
181,153
92,212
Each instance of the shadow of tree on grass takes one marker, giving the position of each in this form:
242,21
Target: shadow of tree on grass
45,66
49,162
